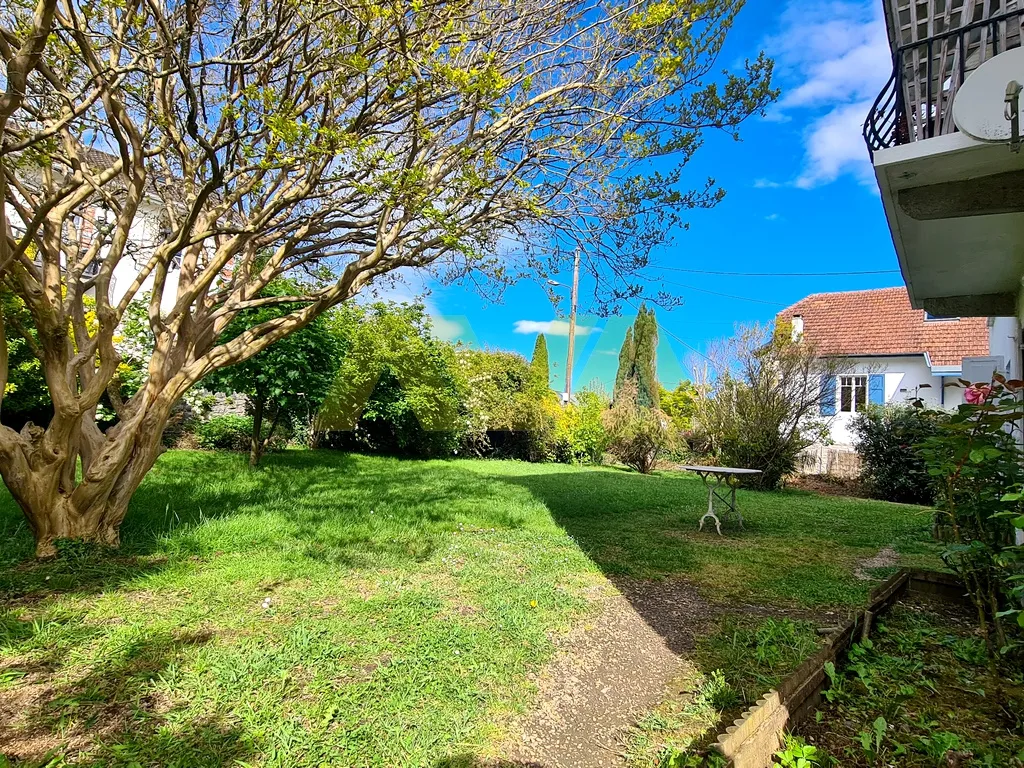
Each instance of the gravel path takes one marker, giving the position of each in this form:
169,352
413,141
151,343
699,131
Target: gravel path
609,673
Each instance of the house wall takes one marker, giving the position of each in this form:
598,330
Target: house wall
1004,341
143,237
905,378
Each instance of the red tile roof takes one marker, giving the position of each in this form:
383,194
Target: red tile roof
882,322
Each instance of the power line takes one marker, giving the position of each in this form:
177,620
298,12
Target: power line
666,330
780,274
726,295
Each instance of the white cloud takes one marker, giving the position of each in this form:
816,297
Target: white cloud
833,146
833,58
766,184
772,217
551,327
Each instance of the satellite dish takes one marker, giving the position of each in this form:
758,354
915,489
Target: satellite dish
978,107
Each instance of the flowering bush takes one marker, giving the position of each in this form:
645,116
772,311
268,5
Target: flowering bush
976,394
580,436
976,461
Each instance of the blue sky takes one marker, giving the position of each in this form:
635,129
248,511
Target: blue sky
800,198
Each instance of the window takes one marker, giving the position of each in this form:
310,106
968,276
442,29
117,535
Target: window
930,318
853,393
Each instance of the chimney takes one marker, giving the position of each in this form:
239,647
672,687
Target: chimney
798,327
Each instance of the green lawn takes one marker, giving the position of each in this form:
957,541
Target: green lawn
332,609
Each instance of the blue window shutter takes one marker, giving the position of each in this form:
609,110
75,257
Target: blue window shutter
828,395
876,389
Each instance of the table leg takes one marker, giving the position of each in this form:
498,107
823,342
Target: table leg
739,515
711,508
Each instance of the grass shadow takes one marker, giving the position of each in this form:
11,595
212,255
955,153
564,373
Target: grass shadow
112,715
205,527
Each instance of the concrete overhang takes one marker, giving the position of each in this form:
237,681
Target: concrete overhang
955,207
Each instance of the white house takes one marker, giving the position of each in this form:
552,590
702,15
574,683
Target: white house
894,353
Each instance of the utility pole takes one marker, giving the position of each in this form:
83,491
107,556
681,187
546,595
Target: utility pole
572,324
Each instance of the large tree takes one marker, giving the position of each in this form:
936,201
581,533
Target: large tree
216,147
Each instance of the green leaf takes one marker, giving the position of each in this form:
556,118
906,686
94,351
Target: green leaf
977,455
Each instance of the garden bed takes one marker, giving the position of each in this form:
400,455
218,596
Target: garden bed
855,671
920,693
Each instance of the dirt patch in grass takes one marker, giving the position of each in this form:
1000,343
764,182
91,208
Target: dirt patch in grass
640,679
42,711
887,557
611,671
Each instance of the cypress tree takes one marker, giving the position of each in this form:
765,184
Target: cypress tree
638,359
645,339
540,371
627,357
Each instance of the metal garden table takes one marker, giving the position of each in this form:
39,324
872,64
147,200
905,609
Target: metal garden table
721,483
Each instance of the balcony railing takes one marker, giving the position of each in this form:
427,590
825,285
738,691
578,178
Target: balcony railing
917,101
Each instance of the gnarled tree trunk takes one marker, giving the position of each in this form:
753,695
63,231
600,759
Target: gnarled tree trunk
61,503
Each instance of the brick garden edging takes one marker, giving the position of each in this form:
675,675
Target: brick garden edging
752,740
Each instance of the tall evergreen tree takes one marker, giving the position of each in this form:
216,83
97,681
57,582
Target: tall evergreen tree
638,359
627,360
645,339
539,368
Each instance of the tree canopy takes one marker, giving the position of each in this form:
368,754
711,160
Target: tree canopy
288,378
397,389
201,151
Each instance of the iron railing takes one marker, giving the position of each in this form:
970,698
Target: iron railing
917,101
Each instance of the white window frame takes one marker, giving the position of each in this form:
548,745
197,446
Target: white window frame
851,384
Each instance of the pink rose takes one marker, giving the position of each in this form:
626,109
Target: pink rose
976,395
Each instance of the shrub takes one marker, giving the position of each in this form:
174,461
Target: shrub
892,467
758,403
509,412
580,436
978,466
772,453
225,433
398,390
637,436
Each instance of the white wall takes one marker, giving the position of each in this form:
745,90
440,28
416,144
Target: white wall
904,377
1004,340
142,236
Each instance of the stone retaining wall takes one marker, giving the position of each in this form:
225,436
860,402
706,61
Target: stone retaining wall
752,740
